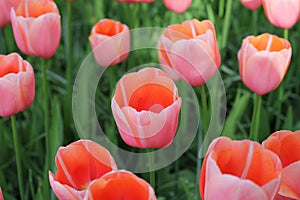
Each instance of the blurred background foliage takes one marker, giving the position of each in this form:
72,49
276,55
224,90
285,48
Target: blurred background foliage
178,181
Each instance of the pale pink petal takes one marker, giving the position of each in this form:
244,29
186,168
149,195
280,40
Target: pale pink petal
290,182
44,34
251,4
64,192
178,6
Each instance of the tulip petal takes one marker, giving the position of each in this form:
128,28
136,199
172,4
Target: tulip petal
290,183
178,6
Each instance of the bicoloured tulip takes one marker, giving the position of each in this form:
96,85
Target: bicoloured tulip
190,51
283,14
263,62
178,6
286,145
5,7
237,170
17,85
146,108
78,164
136,1
120,185
251,4
1,196
110,41
37,28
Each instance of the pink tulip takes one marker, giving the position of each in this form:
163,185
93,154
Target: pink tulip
282,13
36,27
78,164
110,41
178,6
136,1
286,144
190,51
1,196
263,62
17,86
117,185
146,108
5,6
251,4
238,170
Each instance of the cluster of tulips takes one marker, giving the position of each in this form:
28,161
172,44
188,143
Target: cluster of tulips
146,104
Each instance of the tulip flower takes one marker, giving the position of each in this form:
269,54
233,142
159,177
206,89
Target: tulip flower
178,6
78,164
251,4
36,27
263,62
17,85
236,170
286,144
283,14
190,51
146,108
5,6
120,185
110,41
136,1
1,196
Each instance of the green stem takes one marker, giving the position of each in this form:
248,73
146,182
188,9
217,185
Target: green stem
226,24
255,119
48,165
286,34
221,8
135,15
254,21
18,157
9,39
68,97
204,109
210,11
99,9
151,168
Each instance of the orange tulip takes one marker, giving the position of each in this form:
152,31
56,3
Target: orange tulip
117,185
146,108
283,14
286,145
234,170
36,27
190,51
178,6
17,85
5,7
110,41
263,62
251,4
78,164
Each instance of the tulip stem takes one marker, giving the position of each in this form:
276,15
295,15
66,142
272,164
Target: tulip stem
18,158
254,21
68,97
151,169
286,34
204,109
9,39
255,119
46,121
134,15
226,24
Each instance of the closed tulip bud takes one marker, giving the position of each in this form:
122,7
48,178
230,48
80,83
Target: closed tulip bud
78,164
263,62
283,14
237,170
178,6
17,86
286,144
36,27
189,51
110,41
146,108
120,185
136,1
251,4
5,6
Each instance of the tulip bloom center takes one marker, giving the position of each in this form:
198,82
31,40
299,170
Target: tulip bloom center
109,27
13,68
35,8
268,42
152,97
